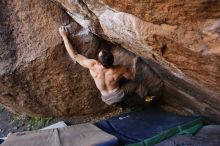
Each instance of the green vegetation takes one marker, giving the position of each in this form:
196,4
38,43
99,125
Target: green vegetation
16,118
32,123
37,122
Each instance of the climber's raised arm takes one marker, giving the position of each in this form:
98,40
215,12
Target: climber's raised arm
129,73
82,60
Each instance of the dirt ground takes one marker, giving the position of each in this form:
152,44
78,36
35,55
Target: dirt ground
10,123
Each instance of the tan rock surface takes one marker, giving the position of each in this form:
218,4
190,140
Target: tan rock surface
36,73
177,40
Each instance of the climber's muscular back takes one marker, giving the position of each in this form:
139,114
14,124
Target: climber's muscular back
106,79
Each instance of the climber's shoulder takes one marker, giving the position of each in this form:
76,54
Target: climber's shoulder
120,68
93,63
86,62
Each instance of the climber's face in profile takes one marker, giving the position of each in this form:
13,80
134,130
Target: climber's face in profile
106,58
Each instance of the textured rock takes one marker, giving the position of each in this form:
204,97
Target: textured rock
37,75
179,39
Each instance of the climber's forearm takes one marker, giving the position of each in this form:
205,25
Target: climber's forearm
71,51
133,70
82,60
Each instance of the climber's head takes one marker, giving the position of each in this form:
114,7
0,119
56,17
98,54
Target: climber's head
106,58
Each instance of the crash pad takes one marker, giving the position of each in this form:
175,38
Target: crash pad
207,136
149,126
76,135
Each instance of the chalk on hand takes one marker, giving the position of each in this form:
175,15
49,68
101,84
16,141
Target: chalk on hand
69,28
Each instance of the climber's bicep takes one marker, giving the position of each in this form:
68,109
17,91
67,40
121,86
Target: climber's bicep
85,62
128,75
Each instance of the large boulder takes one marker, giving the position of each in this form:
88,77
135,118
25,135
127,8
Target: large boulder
37,77
180,40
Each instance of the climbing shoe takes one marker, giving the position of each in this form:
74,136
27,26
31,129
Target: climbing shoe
149,98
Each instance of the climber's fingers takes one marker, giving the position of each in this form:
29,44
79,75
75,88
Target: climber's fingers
63,31
66,29
61,28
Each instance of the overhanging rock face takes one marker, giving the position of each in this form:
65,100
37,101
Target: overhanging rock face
37,76
180,40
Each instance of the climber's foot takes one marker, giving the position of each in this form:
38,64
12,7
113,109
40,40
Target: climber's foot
149,98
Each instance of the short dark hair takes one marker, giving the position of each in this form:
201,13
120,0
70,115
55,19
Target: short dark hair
106,58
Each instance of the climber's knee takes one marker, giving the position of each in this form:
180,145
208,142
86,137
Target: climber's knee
142,91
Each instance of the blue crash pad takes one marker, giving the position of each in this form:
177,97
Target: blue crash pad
1,141
153,124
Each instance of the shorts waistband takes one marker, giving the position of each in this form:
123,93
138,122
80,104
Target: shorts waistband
112,93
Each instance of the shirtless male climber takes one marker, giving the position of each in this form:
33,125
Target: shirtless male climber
105,74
